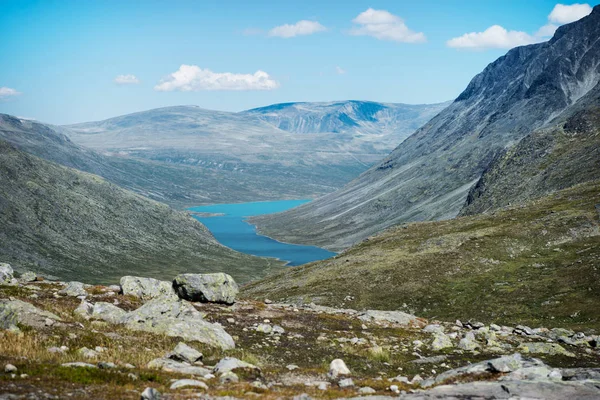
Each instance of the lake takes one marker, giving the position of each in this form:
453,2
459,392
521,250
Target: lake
230,228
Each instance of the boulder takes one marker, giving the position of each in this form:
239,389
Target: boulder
146,288
441,341
394,317
336,368
544,348
73,289
169,365
185,353
28,276
7,275
108,312
211,288
150,394
13,312
468,342
231,364
188,383
173,317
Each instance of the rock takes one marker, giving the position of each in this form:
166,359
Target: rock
366,390
185,353
441,341
433,328
506,363
173,317
264,328
336,368
84,310
212,288
430,360
468,342
78,365
55,350
146,288
169,365
278,330
186,383
108,312
107,365
6,274
73,289
13,312
394,317
231,364
150,394
27,276
259,385
291,367
544,348
229,377
9,368
87,353
344,383
524,330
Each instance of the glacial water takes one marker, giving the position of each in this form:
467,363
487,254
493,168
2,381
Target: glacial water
232,230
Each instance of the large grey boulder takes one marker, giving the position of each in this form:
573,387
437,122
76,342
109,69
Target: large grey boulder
173,317
108,312
212,288
7,274
13,312
146,288
73,289
394,317
169,365
231,364
185,353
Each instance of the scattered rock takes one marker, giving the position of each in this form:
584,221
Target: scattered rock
394,317
146,288
231,364
264,328
13,312
544,348
7,275
336,368
150,394
107,365
366,390
441,341
108,312
169,365
78,365
28,276
344,383
87,353
468,342
430,360
229,377
185,353
9,368
186,383
212,288
73,289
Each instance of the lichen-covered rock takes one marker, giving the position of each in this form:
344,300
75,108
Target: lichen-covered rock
84,309
146,288
394,317
173,317
6,274
74,289
441,341
212,288
14,312
169,365
188,383
468,342
231,364
150,394
336,368
185,353
545,348
108,312
28,276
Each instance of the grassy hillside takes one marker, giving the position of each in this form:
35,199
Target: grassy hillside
65,223
536,264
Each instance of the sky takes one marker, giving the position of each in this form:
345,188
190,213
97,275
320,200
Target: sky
67,61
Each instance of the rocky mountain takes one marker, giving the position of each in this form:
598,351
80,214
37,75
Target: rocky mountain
251,147
430,174
65,223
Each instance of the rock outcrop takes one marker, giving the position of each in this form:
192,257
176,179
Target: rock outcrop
213,288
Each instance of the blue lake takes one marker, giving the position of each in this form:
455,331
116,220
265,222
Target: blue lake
232,230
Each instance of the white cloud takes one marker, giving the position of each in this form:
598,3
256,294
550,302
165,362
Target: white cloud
126,80
191,78
564,14
300,28
494,37
497,37
6,92
339,70
384,25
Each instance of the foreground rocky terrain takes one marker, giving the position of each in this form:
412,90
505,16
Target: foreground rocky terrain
71,340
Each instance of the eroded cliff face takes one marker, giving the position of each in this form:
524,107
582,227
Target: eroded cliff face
430,174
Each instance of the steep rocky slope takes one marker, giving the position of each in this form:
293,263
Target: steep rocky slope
248,147
69,224
428,176
529,264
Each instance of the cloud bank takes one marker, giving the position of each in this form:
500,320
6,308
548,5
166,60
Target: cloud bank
191,78
300,28
6,92
384,25
126,80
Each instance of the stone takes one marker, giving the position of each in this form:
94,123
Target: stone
211,288
468,342
28,276
146,288
173,317
264,328
13,312
430,360
185,353
87,353
344,383
84,309
441,341
506,363
9,368
73,289
229,377
107,365
366,390
108,312
522,329
150,394
278,330
291,367
336,368
231,364
78,365
394,317
259,385
169,365
544,348
433,328
188,383
6,274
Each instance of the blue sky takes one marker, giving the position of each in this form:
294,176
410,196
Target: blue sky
60,59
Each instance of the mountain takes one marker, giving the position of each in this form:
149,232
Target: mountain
175,184
64,223
534,264
430,174
249,147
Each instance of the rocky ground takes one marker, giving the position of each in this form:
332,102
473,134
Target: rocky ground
144,339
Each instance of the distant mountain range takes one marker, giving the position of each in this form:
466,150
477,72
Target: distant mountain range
293,150
542,95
